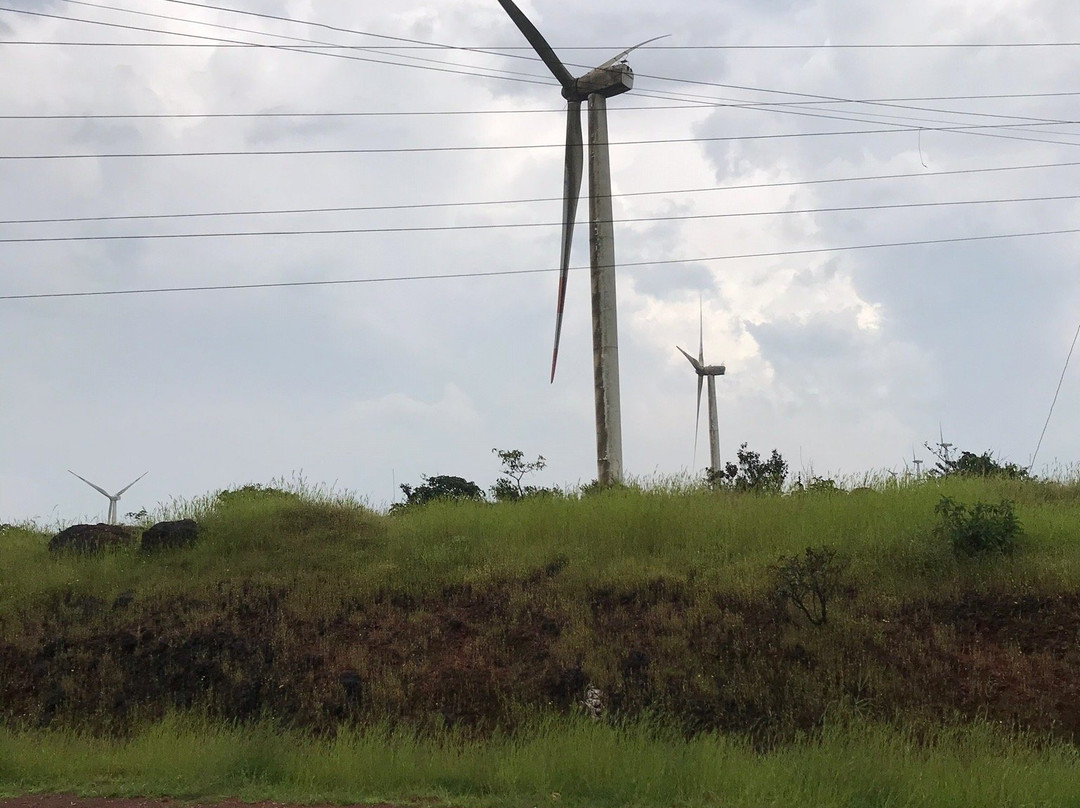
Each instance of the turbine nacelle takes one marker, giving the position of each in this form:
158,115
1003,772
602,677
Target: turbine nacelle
702,369
608,81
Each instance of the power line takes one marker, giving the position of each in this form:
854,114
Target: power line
522,225
564,48
450,47
307,42
1057,392
505,273
766,106
495,74
696,105
531,200
966,130
492,74
519,147
440,45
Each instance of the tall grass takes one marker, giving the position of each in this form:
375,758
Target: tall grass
572,762
325,547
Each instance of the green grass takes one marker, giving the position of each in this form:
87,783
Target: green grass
555,762
452,598
326,547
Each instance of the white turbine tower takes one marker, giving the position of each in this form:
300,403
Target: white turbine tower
612,78
709,372
113,498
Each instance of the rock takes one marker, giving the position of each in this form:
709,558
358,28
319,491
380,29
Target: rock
169,535
90,538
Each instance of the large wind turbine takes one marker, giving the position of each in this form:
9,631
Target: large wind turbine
709,372
113,498
612,78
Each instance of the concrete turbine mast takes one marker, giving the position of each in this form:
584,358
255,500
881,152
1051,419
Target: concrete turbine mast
704,372
612,78
113,498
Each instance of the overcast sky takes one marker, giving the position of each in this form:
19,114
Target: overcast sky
846,361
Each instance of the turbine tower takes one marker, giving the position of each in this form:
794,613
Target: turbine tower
113,498
709,372
612,78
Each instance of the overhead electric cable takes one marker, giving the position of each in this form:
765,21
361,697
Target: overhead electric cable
288,48
445,46
502,273
503,147
503,50
1053,403
504,202
695,105
520,225
820,99
981,130
491,74
308,43
449,47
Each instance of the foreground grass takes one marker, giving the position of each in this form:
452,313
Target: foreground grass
555,762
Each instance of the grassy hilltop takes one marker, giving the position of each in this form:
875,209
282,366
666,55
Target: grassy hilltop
303,627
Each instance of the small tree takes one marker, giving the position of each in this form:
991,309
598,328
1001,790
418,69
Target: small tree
810,581
751,474
439,487
509,488
969,464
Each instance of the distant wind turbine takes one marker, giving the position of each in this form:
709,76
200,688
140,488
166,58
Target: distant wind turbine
113,498
611,78
709,372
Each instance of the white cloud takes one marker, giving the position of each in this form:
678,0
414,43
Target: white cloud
845,358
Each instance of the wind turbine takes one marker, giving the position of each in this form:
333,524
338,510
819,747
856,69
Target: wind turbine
709,372
113,498
612,78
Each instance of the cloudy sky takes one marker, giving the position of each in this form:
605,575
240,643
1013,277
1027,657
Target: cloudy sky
762,180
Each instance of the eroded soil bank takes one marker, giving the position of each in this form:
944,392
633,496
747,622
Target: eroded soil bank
486,658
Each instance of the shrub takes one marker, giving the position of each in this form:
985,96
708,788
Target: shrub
751,473
254,493
982,529
818,485
810,581
439,487
969,464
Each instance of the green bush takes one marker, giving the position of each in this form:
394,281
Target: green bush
751,473
982,529
440,487
810,581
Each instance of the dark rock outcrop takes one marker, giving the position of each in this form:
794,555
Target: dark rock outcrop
90,538
169,535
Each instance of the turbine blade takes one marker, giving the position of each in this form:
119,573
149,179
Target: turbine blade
97,488
701,334
697,365
126,487
626,52
697,418
540,45
571,193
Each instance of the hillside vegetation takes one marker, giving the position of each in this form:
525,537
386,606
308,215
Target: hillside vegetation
675,608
